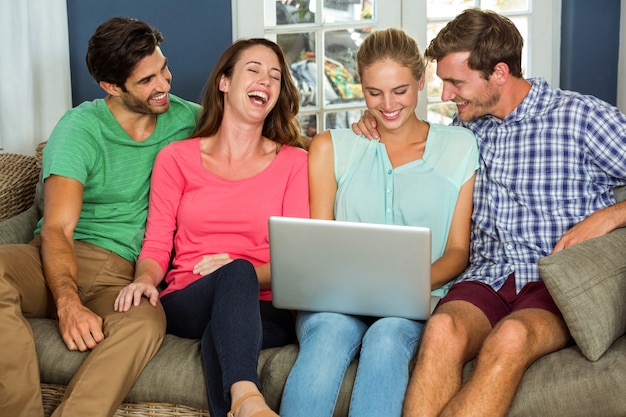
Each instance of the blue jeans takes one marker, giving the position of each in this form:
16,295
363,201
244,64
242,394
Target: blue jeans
222,310
329,342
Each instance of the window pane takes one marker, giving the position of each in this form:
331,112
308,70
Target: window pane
433,83
347,10
521,23
297,46
504,6
308,123
437,9
320,39
441,113
289,12
344,119
300,53
340,66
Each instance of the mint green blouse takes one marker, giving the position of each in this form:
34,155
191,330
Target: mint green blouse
423,192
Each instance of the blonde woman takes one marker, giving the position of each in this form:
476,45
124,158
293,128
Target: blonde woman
416,174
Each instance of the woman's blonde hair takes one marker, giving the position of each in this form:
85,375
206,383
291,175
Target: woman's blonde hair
392,44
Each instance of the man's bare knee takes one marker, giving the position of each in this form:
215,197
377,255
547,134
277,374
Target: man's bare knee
440,330
510,339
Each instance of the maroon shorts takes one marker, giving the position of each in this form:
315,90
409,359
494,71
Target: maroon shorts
498,304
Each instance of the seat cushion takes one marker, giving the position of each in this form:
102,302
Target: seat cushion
565,383
562,383
588,284
175,375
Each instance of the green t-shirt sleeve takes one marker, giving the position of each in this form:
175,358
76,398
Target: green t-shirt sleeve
70,150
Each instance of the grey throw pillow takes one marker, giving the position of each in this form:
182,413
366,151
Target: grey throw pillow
588,284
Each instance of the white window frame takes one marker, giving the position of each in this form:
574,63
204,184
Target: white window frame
544,31
621,69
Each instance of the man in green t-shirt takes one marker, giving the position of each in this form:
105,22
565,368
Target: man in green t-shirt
96,171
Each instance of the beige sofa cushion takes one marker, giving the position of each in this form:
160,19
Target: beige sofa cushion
175,375
588,284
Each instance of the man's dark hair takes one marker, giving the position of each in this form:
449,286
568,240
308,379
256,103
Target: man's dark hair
489,37
117,46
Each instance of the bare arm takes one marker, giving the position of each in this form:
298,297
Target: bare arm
81,329
322,188
264,275
322,182
599,223
456,253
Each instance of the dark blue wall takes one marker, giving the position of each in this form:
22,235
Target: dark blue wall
590,47
196,33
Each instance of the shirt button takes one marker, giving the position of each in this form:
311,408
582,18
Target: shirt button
509,247
389,172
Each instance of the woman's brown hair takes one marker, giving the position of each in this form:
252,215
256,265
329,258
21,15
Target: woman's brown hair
281,124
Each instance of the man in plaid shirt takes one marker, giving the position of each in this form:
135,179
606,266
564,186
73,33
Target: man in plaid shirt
549,161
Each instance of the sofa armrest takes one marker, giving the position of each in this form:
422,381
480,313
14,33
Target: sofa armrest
588,284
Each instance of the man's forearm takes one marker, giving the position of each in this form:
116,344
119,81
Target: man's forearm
60,267
617,214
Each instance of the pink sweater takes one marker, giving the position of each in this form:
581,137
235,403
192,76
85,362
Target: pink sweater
204,214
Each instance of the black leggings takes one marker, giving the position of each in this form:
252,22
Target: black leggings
223,310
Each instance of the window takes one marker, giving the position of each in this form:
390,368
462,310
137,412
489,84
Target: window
321,37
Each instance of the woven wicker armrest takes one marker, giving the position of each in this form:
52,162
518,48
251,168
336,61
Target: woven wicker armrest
18,180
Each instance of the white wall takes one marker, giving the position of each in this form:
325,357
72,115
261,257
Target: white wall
621,67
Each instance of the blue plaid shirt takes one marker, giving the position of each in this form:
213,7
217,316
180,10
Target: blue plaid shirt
547,166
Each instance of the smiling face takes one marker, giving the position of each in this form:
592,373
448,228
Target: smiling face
391,93
473,95
148,85
254,85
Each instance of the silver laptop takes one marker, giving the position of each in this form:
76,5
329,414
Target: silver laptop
353,268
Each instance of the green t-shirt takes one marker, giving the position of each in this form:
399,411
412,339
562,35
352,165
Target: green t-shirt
90,146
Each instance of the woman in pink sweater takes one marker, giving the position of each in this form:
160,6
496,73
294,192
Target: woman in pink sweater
207,234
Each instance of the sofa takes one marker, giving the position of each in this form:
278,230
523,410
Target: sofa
587,379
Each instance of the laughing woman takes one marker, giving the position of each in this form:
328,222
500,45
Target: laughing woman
212,196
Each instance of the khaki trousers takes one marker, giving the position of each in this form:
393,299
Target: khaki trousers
111,368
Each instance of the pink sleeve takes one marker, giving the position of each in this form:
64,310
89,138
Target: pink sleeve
166,187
